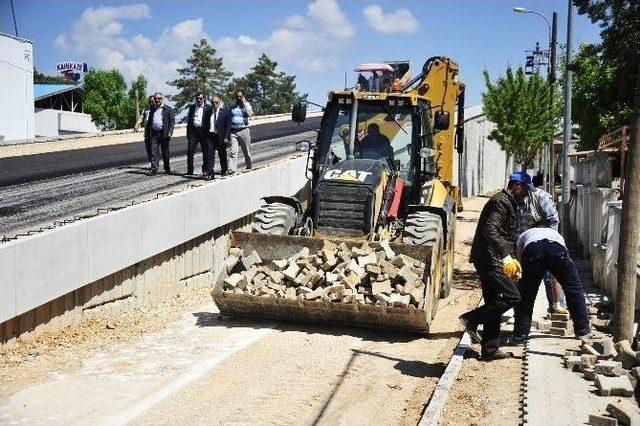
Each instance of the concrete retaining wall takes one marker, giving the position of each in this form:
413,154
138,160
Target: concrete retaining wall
595,218
124,253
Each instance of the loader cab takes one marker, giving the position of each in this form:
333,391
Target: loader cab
380,130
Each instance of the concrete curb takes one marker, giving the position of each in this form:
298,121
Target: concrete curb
440,396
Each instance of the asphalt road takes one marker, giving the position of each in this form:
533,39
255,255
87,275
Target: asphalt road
49,202
15,170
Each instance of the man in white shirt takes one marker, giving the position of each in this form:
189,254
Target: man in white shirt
541,250
197,135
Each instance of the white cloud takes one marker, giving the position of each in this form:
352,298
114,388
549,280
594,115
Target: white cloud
100,38
61,42
310,43
399,21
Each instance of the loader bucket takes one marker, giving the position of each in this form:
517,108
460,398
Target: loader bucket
272,247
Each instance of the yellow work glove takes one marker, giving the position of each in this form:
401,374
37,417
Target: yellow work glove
512,267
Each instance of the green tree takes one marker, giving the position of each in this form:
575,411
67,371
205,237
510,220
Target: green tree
204,73
604,73
519,106
40,78
139,86
269,91
107,100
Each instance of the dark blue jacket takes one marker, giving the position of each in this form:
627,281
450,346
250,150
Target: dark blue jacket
221,125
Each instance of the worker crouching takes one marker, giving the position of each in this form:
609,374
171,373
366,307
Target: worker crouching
542,250
493,255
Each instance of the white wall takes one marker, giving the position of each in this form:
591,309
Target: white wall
16,102
483,162
37,269
52,123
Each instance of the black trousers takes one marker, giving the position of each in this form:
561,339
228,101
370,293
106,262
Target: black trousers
159,142
216,145
198,137
538,258
500,294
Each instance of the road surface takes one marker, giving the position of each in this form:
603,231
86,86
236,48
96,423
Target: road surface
30,206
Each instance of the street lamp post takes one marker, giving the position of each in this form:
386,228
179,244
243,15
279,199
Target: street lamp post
553,31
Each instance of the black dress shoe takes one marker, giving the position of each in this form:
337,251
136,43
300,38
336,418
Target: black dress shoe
471,329
154,171
514,341
496,356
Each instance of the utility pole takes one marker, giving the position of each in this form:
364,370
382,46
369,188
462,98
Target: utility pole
552,85
629,233
566,191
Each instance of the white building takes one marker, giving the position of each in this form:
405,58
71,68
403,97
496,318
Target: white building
483,163
16,77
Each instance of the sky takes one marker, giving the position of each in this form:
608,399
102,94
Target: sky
316,40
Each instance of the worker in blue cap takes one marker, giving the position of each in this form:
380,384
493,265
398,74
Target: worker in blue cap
493,253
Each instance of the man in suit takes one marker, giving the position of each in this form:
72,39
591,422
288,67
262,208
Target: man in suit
160,130
197,135
218,131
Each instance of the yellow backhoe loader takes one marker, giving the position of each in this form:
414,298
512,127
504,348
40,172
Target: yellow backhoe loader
381,171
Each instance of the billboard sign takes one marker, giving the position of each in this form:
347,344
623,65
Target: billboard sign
72,70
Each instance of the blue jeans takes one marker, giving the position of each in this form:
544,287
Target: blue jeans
538,258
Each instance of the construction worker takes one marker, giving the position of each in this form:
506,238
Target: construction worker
535,210
543,250
493,255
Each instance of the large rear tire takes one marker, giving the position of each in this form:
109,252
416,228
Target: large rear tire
274,219
425,228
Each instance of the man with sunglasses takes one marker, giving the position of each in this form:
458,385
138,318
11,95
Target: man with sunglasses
160,130
197,135
216,121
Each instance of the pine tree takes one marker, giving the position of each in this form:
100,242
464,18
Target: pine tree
204,73
519,106
269,91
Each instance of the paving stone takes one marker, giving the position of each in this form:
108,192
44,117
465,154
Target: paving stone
236,251
230,262
558,331
367,259
331,278
572,352
589,374
388,251
602,420
317,278
354,267
559,317
350,281
608,368
589,350
292,271
279,264
626,413
290,293
379,287
614,386
252,259
329,264
382,298
407,275
544,325
561,324
373,269
605,347
330,245
235,281
588,360
302,253
400,300
572,362
626,355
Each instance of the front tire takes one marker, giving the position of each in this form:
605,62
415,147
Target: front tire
274,219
